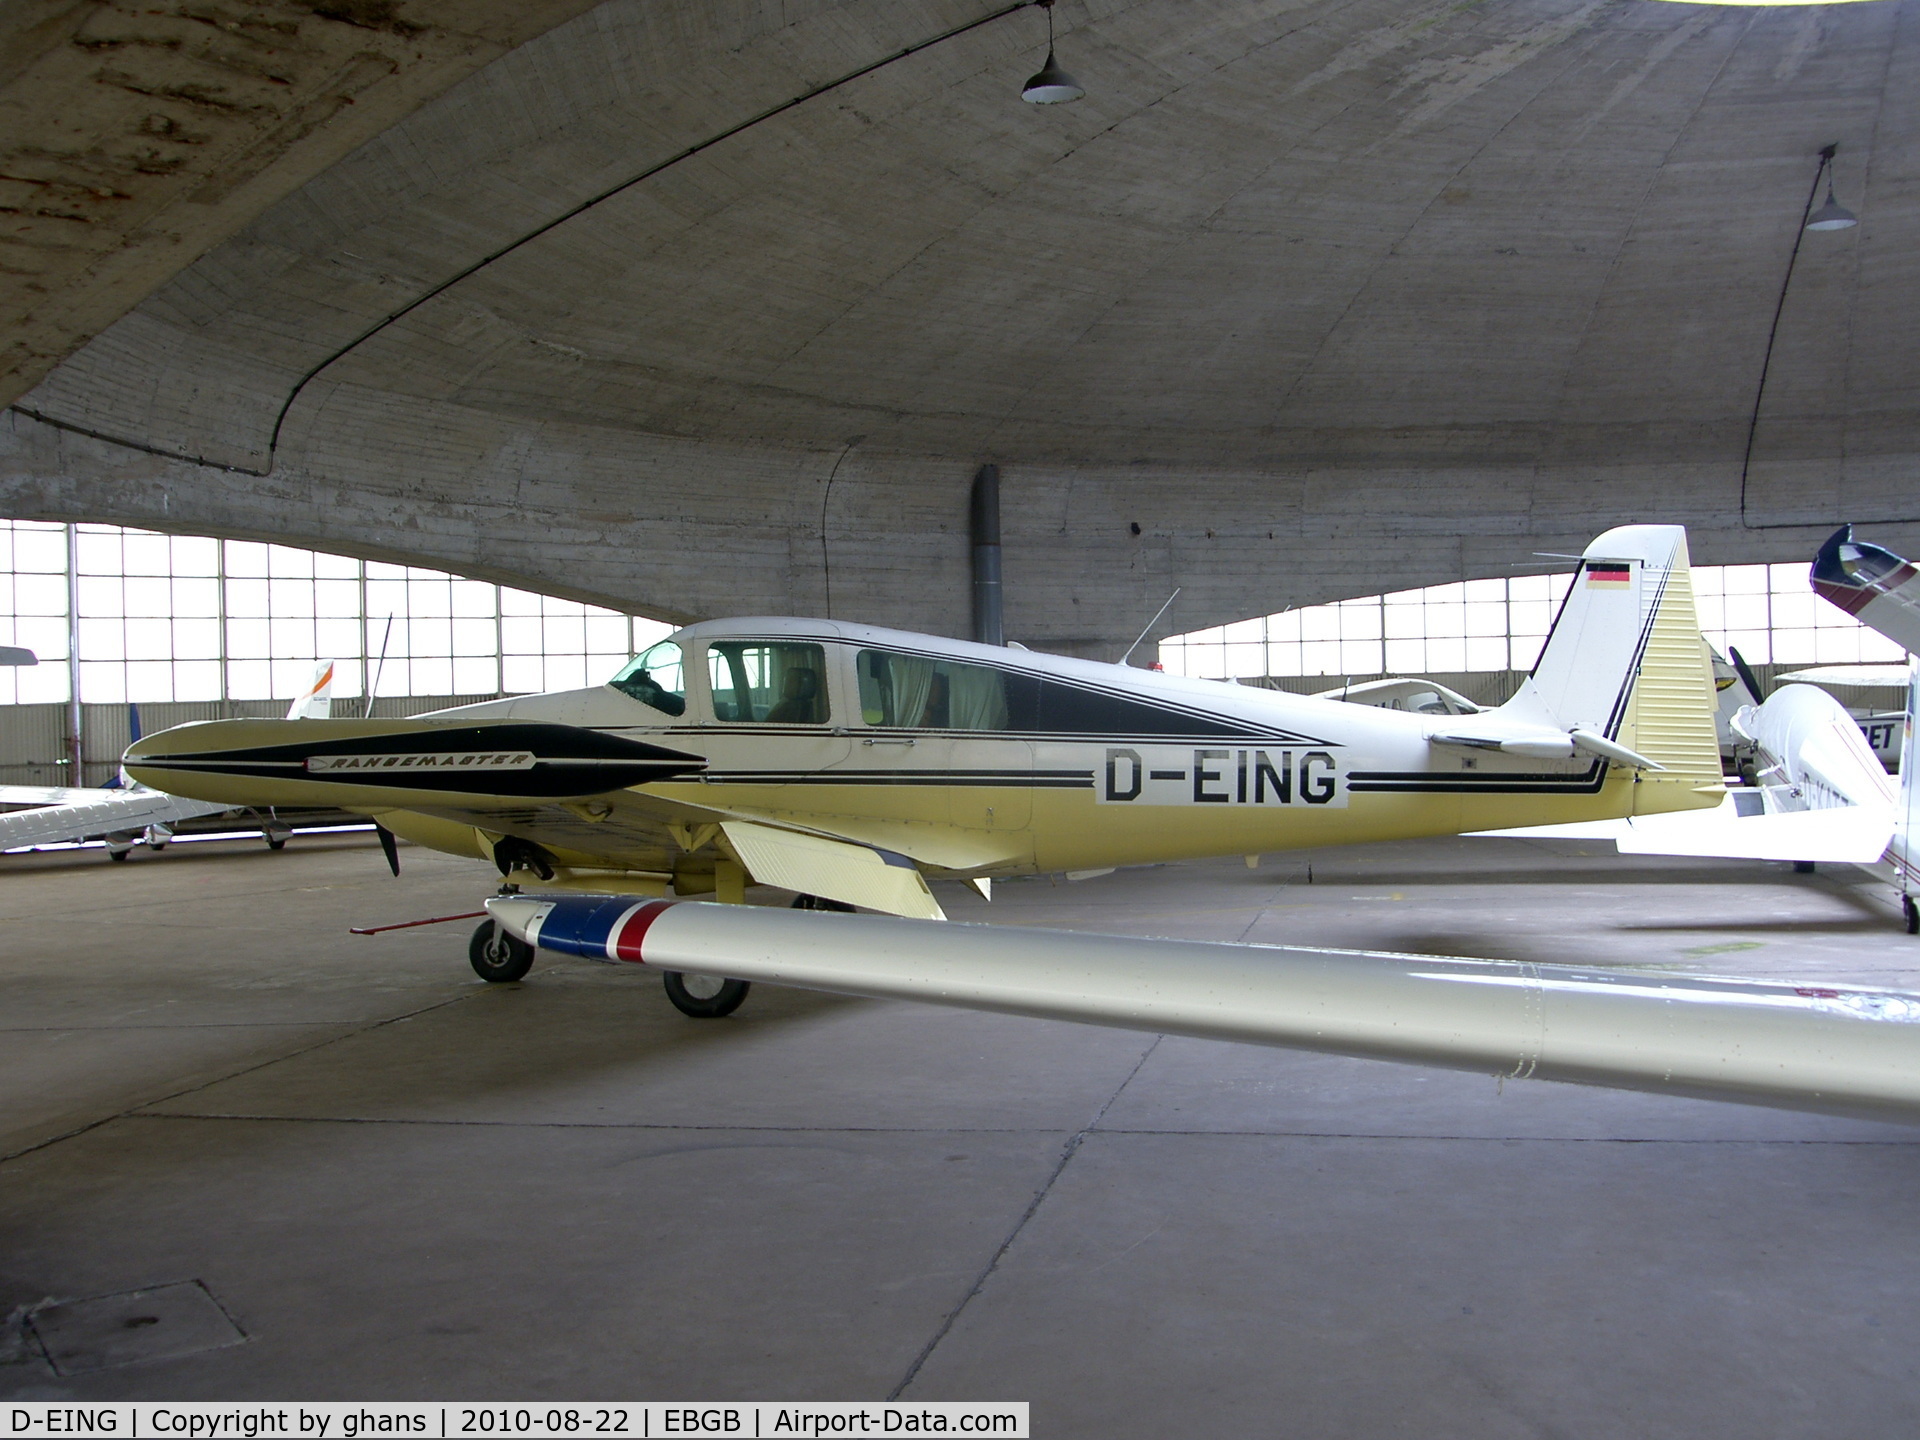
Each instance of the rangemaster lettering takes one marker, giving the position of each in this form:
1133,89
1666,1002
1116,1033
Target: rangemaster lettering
491,760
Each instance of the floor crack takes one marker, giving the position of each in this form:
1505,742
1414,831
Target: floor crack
1067,1152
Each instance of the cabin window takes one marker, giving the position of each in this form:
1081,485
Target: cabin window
1069,710
657,678
773,682
920,693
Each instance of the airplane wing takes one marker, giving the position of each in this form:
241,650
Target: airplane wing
89,814
16,795
1834,1049
1873,585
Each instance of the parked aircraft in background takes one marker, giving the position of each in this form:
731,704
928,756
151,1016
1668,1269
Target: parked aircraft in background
1422,697
1881,727
126,814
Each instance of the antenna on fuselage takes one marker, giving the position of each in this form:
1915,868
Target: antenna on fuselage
378,670
1150,624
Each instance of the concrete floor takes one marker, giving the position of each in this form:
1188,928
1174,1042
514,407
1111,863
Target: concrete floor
402,1183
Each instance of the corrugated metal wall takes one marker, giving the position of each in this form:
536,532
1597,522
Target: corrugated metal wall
33,742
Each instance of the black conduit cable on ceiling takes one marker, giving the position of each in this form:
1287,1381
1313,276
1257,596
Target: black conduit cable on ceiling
1827,153
273,443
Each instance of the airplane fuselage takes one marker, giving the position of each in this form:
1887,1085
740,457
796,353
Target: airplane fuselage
981,760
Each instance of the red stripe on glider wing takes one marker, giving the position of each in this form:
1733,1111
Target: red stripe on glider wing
626,943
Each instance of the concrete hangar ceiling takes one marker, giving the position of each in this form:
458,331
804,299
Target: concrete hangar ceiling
1306,298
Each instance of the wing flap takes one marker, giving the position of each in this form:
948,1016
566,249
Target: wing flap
816,865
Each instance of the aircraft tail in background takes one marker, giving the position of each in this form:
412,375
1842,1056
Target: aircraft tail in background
316,703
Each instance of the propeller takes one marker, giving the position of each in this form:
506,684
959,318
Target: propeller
388,848
1747,677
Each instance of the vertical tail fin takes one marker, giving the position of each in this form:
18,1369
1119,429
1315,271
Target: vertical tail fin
316,702
1626,661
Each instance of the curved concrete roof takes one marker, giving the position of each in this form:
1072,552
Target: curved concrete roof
1325,296
137,135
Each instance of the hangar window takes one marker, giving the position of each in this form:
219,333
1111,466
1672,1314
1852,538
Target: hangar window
922,693
192,627
656,678
1769,612
773,682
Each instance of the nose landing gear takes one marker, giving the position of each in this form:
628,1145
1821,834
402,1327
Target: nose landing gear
497,956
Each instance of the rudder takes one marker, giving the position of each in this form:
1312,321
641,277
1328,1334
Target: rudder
1626,660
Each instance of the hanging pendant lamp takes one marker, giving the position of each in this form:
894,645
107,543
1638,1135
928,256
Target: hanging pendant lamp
1052,85
1832,215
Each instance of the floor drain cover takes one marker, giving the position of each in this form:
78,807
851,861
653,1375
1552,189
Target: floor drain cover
136,1325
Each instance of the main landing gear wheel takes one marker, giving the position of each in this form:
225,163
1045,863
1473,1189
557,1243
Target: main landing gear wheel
704,997
1910,912
497,956
818,902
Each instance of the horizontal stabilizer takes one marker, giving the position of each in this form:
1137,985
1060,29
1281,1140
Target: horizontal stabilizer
1490,730
1850,835
832,869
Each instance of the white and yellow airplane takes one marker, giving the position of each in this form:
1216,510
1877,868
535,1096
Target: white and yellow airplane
852,764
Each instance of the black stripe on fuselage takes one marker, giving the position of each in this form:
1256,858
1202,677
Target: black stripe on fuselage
1008,779
1426,782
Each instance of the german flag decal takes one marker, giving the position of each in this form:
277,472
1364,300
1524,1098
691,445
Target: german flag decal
1608,575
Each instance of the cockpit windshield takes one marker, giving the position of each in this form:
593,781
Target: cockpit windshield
657,678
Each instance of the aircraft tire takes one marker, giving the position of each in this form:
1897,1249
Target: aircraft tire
118,854
818,902
497,956
1910,912
276,844
704,997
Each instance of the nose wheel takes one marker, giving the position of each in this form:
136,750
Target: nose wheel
497,956
1910,912
704,997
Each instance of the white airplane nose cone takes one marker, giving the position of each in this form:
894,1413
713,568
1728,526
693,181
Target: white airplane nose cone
519,915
